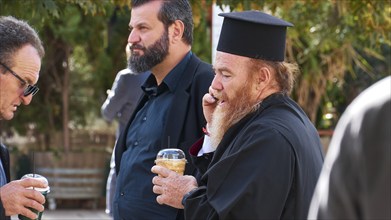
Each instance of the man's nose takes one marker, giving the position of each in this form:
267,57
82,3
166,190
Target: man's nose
26,100
216,83
133,37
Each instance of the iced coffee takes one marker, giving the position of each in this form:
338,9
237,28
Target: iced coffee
173,159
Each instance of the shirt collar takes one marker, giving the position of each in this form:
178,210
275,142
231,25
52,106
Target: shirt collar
151,88
173,77
170,82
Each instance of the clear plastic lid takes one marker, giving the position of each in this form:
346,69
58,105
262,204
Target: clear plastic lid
171,153
37,176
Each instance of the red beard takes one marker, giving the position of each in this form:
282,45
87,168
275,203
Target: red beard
231,112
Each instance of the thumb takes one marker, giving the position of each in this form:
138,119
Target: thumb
161,171
33,182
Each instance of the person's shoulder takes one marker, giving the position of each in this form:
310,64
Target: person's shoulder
202,67
3,149
124,72
374,97
2,146
195,59
127,74
257,132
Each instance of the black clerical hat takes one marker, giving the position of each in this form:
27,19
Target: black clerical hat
253,34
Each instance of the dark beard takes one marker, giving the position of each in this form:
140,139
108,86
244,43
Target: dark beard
153,55
224,118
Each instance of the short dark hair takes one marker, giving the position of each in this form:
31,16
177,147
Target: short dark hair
14,34
171,11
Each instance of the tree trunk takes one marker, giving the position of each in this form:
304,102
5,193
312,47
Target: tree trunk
312,86
310,93
65,102
55,85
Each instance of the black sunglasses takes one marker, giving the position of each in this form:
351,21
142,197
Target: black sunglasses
30,89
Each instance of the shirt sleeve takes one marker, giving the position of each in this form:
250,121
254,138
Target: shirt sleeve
206,146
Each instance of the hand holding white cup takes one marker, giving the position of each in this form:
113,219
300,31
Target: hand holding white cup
44,192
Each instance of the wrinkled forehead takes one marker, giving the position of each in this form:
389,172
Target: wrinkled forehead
27,63
26,54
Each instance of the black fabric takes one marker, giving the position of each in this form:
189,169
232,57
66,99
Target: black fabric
4,154
253,34
266,167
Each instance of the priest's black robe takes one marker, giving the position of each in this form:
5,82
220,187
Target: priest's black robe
266,167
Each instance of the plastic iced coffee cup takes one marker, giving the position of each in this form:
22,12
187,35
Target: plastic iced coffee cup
173,159
44,192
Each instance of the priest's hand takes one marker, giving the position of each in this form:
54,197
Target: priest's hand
17,199
171,187
209,104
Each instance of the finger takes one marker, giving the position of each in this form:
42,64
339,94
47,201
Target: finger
28,213
24,205
157,190
33,199
33,182
159,200
209,99
35,205
161,171
34,195
155,180
155,169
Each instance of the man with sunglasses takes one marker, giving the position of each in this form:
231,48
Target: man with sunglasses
21,52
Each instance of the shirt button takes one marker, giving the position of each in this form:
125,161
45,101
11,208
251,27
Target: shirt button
135,143
122,193
145,118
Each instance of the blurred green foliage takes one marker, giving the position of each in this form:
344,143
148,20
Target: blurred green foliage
341,47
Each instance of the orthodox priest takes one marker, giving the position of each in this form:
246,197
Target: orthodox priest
261,156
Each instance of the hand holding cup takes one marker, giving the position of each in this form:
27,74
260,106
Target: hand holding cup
16,198
44,191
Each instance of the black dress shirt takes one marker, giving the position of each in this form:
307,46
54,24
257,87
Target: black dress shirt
143,141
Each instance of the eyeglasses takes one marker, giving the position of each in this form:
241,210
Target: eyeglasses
30,89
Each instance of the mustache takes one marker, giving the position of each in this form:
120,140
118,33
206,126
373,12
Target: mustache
217,95
136,46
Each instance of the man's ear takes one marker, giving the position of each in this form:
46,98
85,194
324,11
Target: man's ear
177,29
263,78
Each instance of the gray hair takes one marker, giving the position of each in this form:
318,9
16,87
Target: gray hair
14,34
